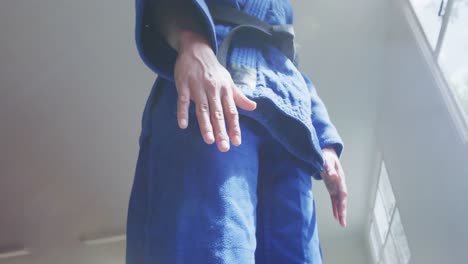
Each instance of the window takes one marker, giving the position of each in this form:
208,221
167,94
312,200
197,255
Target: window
444,25
453,56
387,237
427,12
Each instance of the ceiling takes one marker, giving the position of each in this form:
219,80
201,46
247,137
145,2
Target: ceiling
72,90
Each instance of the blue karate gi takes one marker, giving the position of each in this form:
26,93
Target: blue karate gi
190,203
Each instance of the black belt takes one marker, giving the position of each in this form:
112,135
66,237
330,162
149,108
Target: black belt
281,35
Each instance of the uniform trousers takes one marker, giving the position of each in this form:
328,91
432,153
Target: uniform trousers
191,203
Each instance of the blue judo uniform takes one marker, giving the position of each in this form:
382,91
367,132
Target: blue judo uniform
191,203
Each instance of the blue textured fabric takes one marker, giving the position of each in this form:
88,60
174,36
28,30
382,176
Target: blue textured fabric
191,203
286,97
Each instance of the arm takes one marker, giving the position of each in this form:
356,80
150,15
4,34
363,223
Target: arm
158,51
326,132
332,148
179,49
179,23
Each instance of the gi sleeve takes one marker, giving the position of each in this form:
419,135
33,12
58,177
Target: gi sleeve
153,48
326,132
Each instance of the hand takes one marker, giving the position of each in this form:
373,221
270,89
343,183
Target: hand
201,78
335,182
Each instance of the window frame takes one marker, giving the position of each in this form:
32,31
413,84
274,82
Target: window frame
372,221
451,100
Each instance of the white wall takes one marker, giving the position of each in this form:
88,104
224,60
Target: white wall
72,90
341,46
351,250
425,156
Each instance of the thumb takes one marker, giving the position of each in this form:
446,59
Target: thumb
328,168
242,101
332,171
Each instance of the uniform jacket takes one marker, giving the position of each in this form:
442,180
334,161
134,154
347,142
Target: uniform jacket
266,72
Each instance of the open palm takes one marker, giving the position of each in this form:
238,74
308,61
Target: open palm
335,182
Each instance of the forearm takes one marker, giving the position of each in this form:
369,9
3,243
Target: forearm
327,134
179,23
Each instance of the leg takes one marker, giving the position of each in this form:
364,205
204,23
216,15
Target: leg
137,210
200,202
287,228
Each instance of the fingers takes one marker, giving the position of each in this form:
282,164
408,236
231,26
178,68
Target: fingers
335,210
333,189
339,208
343,195
210,86
216,106
183,104
336,185
203,115
241,100
217,120
232,116
339,213
342,211
222,109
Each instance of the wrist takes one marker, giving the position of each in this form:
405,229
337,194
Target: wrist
188,39
329,149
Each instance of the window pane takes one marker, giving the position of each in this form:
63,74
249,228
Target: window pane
386,190
380,216
453,58
427,12
390,253
399,237
376,242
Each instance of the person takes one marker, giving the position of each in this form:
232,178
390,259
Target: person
228,150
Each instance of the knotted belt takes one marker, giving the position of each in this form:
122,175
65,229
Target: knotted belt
282,36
